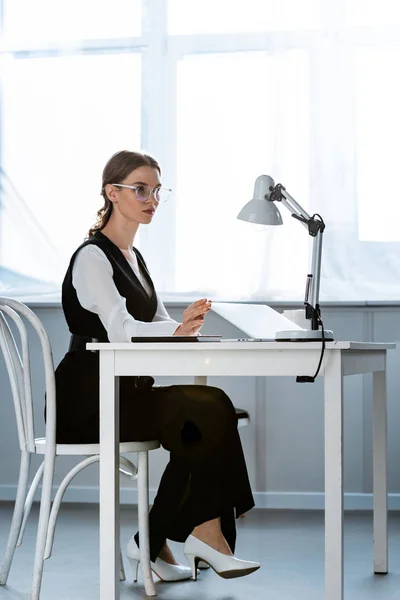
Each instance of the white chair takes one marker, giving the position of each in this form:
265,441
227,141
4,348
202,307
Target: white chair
17,360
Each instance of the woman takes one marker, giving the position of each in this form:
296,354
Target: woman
108,295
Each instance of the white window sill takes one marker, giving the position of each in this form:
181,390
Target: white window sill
183,300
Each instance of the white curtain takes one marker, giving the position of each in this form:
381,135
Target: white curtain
219,91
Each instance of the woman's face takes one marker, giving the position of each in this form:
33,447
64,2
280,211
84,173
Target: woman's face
136,205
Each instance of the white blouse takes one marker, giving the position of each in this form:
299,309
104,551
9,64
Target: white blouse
92,277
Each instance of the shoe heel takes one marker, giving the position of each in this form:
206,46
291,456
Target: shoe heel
193,562
135,568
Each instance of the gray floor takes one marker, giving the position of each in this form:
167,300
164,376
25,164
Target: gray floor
289,545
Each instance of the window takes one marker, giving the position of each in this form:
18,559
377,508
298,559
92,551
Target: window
219,91
378,132
40,22
190,17
372,13
217,165
62,118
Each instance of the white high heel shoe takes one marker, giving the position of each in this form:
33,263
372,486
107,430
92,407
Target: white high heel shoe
224,565
162,569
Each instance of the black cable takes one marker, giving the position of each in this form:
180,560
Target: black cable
308,378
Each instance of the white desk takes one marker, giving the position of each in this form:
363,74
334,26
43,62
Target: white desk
254,359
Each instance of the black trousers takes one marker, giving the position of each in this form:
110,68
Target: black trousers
206,476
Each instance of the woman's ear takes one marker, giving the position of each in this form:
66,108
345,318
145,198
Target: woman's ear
111,192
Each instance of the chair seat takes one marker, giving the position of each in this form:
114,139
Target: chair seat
84,449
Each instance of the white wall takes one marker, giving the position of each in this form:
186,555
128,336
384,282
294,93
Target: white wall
284,441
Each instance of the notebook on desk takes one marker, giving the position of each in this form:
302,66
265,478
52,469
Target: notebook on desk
257,321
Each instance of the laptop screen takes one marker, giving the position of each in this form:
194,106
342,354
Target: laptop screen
255,320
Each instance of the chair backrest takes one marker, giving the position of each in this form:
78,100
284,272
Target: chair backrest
17,360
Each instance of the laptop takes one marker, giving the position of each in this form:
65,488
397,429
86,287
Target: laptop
257,321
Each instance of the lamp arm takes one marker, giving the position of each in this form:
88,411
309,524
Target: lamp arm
315,227
297,211
278,193
311,299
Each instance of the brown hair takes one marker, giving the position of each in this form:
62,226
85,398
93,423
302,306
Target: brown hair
117,168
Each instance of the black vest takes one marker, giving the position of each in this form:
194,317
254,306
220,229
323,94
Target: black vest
83,322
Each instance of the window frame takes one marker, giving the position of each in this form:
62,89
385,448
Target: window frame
335,40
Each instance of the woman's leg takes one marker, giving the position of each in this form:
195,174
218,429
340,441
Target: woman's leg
206,478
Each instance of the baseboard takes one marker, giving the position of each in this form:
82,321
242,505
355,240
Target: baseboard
316,500
276,500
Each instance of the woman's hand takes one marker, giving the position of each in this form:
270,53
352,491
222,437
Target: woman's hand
193,317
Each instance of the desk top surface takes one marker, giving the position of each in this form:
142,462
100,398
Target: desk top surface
236,345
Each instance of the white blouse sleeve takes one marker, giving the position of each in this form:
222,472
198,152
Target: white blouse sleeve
162,313
92,277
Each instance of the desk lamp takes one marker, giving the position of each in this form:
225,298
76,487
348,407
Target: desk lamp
262,210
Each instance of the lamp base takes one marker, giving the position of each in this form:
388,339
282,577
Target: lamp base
305,335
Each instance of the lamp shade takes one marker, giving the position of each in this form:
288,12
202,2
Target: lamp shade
260,209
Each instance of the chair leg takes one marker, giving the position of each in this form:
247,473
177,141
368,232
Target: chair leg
29,501
58,499
143,513
122,576
17,517
44,515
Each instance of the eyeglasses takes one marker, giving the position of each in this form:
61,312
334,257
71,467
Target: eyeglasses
143,192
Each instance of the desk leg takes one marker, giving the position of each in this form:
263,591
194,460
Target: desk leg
200,380
143,514
333,477
109,478
380,473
